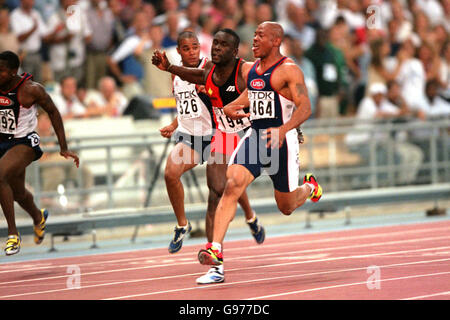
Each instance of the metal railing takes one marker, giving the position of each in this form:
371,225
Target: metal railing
127,168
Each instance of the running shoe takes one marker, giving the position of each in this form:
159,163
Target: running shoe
257,230
177,241
39,230
317,192
12,244
214,275
210,256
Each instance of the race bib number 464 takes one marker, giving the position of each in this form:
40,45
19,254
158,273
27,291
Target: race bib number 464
262,104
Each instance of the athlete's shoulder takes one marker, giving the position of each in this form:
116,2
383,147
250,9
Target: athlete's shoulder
288,62
31,92
290,68
32,87
246,66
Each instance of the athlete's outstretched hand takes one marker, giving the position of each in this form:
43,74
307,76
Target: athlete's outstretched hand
70,154
167,131
234,112
160,60
275,137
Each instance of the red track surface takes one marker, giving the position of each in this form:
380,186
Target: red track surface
413,262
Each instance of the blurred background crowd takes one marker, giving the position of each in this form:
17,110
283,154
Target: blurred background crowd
362,59
94,55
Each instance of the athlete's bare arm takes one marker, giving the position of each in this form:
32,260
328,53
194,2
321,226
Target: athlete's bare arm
168,130
192,75
299,94
34,93
290,82
233,109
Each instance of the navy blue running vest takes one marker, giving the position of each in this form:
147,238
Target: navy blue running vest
265,106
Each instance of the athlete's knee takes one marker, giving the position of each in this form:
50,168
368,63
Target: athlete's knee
215,189
21,196
233,185
286,208
171,174
216,179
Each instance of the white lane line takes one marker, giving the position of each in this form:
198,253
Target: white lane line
258,256
236,269
13,267
347,285
446,293
268,279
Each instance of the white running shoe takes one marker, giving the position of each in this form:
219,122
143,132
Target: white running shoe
214,275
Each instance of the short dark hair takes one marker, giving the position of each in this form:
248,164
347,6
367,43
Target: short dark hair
235,36
12,59
186,34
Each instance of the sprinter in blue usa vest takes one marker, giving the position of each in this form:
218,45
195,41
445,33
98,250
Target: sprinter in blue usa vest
278,103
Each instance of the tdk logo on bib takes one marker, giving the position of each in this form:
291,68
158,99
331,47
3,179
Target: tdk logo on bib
7,113
187,94
257,84
261,95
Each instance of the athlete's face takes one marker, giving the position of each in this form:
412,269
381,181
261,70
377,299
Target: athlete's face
189,50
222,48
263,41
6,74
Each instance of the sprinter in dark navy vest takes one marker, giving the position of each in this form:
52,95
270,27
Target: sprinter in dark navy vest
19,144
278,103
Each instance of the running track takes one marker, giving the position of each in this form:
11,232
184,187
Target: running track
413,262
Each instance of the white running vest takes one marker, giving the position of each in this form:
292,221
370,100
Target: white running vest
194,117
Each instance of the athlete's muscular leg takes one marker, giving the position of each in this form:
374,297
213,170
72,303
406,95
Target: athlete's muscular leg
181,159
287,202
238,178
12,163
216,172
216,184
24,198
